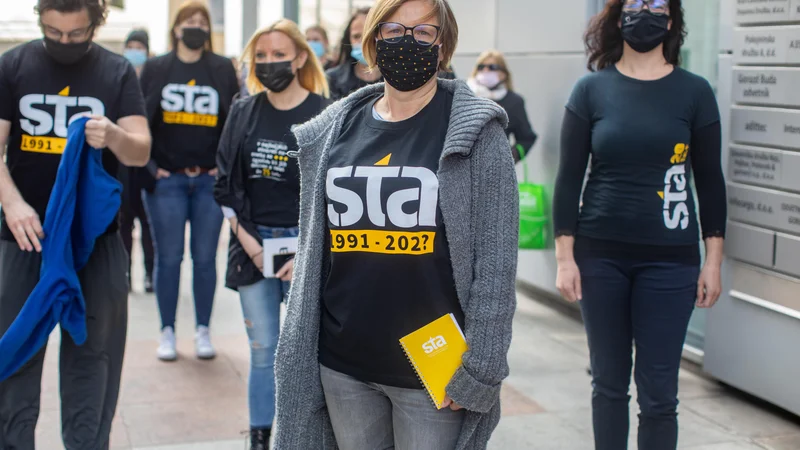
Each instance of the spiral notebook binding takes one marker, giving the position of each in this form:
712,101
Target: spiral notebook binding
419,375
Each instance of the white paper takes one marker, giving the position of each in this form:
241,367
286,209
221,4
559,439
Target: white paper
276,246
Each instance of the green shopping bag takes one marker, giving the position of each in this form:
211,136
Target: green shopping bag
533,219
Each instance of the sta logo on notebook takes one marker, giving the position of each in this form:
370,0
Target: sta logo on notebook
189,104
434,345
46,118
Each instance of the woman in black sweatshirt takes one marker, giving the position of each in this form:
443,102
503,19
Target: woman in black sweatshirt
491,79
631,253
188,93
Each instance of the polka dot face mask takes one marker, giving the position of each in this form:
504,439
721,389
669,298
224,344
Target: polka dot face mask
407,65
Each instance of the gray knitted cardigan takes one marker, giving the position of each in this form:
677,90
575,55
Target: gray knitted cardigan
479,204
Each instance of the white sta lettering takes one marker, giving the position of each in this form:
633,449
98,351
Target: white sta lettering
190,99
434,344
680,215
427,195
45,123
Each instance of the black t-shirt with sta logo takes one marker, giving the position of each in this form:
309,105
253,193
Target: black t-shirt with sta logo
187,128
41,98
273,177
390,268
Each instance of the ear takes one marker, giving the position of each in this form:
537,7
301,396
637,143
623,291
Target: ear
302,59
669,24
441,55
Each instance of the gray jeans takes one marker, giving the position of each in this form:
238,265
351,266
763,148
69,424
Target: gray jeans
89,374
369,416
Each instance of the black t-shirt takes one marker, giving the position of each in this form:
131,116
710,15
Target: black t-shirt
639,189
273,178
390,268
41,97
187,127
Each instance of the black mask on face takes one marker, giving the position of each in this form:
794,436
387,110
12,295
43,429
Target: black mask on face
66,54
644,31
195,38
275,76
406,65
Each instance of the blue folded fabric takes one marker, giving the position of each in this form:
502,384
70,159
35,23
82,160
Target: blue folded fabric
84,202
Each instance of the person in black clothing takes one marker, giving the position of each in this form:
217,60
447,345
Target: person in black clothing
491,79
45,84
352,72
137,48
258,187
631,253
188,93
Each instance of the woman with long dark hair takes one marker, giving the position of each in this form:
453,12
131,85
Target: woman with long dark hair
631,253
258,187
352,72
188,94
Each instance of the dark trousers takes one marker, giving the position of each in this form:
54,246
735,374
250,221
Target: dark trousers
89,374
646,305
132,209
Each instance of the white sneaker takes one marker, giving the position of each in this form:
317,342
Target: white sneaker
166,349
202,344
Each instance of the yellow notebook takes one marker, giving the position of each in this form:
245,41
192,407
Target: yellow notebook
435,351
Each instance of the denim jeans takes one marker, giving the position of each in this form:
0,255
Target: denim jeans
646,304
174,201
261,307
369,416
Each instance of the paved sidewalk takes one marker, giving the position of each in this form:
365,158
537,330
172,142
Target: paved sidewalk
198,405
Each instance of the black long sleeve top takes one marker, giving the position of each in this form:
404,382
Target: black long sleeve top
647,140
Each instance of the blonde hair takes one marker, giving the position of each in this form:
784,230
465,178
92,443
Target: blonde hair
311,75
383,9
501,60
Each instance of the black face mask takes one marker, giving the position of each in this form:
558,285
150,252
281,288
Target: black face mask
66,54
195,38
406,65
644,31
275,76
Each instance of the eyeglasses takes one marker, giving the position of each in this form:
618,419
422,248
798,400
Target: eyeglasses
393,33
72,36
655,6
492,67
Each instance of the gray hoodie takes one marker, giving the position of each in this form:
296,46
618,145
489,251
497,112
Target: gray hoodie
479,202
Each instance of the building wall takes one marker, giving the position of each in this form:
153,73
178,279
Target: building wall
19,24
753,330
542,42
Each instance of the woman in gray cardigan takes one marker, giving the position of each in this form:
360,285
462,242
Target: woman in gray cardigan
409,211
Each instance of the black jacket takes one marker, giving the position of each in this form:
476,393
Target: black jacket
343,81
229,189
518,124
155,74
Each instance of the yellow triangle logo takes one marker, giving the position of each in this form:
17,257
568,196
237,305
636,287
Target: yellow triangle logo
661,194
192,82
64,92
384,161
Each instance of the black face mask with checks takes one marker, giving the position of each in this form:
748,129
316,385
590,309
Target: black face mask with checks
407,65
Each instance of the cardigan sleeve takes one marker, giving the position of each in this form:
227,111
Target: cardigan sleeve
490,310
